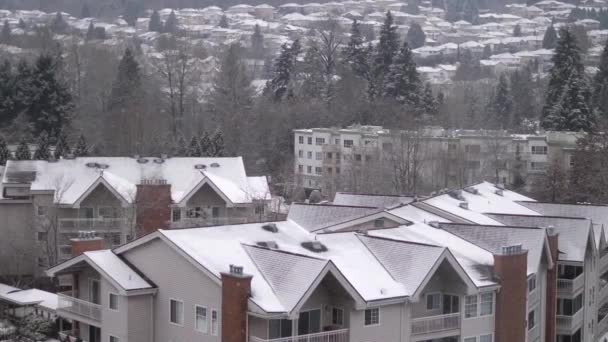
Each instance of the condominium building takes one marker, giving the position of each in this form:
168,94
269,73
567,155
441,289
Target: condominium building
44,204
372,158
408,272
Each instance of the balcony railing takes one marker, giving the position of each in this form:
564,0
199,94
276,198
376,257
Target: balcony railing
210,221
568,324
425,325
327,336
79,307
570,286
76,224
68,336
534,333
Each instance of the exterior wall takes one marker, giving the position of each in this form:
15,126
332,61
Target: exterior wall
163,266
18,241
393,327
100,196
206,196
115,323
591,292
139,311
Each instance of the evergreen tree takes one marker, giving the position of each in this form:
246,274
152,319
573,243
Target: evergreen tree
23,90
415,36
524,95
90,32
206,145
194,149
314,83
82,148
155,24
502,104
7,93
386,49
217,143
487,51
517,31
600,86
5,154
356,54
257,43
429,102
180,149
58,25
550,38
171,25
42,149
279,86
86,11
22,25
5,35
62,148
223,22
402,81
469,68
582,39
23,151
126,87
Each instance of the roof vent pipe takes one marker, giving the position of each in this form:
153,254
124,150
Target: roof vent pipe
236,270
464,205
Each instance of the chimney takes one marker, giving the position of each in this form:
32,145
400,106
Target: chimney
510,267
236,289
551,306
153,206
85,242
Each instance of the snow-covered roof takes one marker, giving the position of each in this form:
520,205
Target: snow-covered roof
71,179
370,200
44,299
313,217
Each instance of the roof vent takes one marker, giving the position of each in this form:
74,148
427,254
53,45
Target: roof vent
457,194
236,270
472,190
314,246
271,227
500,186
87,234
464,205
200,166
268,244
159,160
70,156
434,224
512,250
103,166
214,165
499,192
92,165
142,160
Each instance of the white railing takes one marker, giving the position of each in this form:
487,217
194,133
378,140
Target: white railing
570,285
569,323
68,336
534,333
79,307
75,224
210,221
425,325
327,336
533,298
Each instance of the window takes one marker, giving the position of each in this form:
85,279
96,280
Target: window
279,328
300,139
433,301
195,212
470,339
337,170
337,141
309,154
470,306
301,168
379,223
538,149
367,142
301,153
473,149
357,157
309,140
200,323
115,239
451,304
318,170
452,148
329,155
531,319
348,143
485,338
177,312
114,339
532,284
42,236
86,213
329,170
338,156
487,304
372,316
176,214
41,210
319,155
388,147
108,212
113,302
214,322
309,169
319,141
337,316
537,166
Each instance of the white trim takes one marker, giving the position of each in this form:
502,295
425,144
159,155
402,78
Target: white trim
365,219
91,188
205,180
207,316
464,339
493,303
490,334
426,301
110,336
90,281
340,308
218,320
182,315
375,324
110,294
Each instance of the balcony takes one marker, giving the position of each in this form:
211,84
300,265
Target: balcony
569,324
327,336
97,224
69,336
432,324
78,308
211,221
570,286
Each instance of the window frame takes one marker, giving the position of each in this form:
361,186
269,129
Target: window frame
205,329
426,300
217,322
113,338
469,338
481,304
171,300
532,280
115,295
337,309
476,296
486,335
371,324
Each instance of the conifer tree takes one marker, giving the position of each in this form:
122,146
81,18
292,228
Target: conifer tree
90,32
314,83
600,86
128,81
386,49
62,148
487,51
217,142
5,154
517,31
85,11
58,25
5,35
524,95
550,38
469,68
181,149
257,43
171,25
22,25
402,81
429,102
155,24
42,148
23,151
415,36
223,22
502,104
7,93
279,86
194,149
356,54
82,148
206,145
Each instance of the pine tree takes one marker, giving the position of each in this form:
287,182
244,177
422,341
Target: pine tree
194,149
524,95
58,25
171,25
206,145
5,35
415,36
42,149
23,90
517,31
180,149
402,81
23,151
5,154
7,93
86,11
600,86
356,54
386,49
429,102
62,148
279,86
502,104
314,84
217,143
90,32
469,68
550,38
487,51
257,43
128,81
223,22
582,39
155,24
22,25
82,148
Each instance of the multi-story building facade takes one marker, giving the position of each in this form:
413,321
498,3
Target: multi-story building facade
362,158
421,277
46,203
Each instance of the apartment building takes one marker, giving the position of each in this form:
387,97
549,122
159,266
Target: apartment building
362,158
416,277
44,204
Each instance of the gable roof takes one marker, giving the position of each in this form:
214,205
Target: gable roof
370,200
313,217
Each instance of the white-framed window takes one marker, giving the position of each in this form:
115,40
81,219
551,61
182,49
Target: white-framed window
113,301
532,283
319,141
319,155
532,319
176,214
486,306
470,339
433,301
470,306
308,169
372,316
215,322
300,139
301,168
486,338
114,339
337,316
41,210
309,140
42,236
200,322
318,170
108,212
301,153
538,166
538,149
348,143
176,314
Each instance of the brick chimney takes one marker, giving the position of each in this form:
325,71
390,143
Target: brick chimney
236,289
510,266
153,206
551,307
85,242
